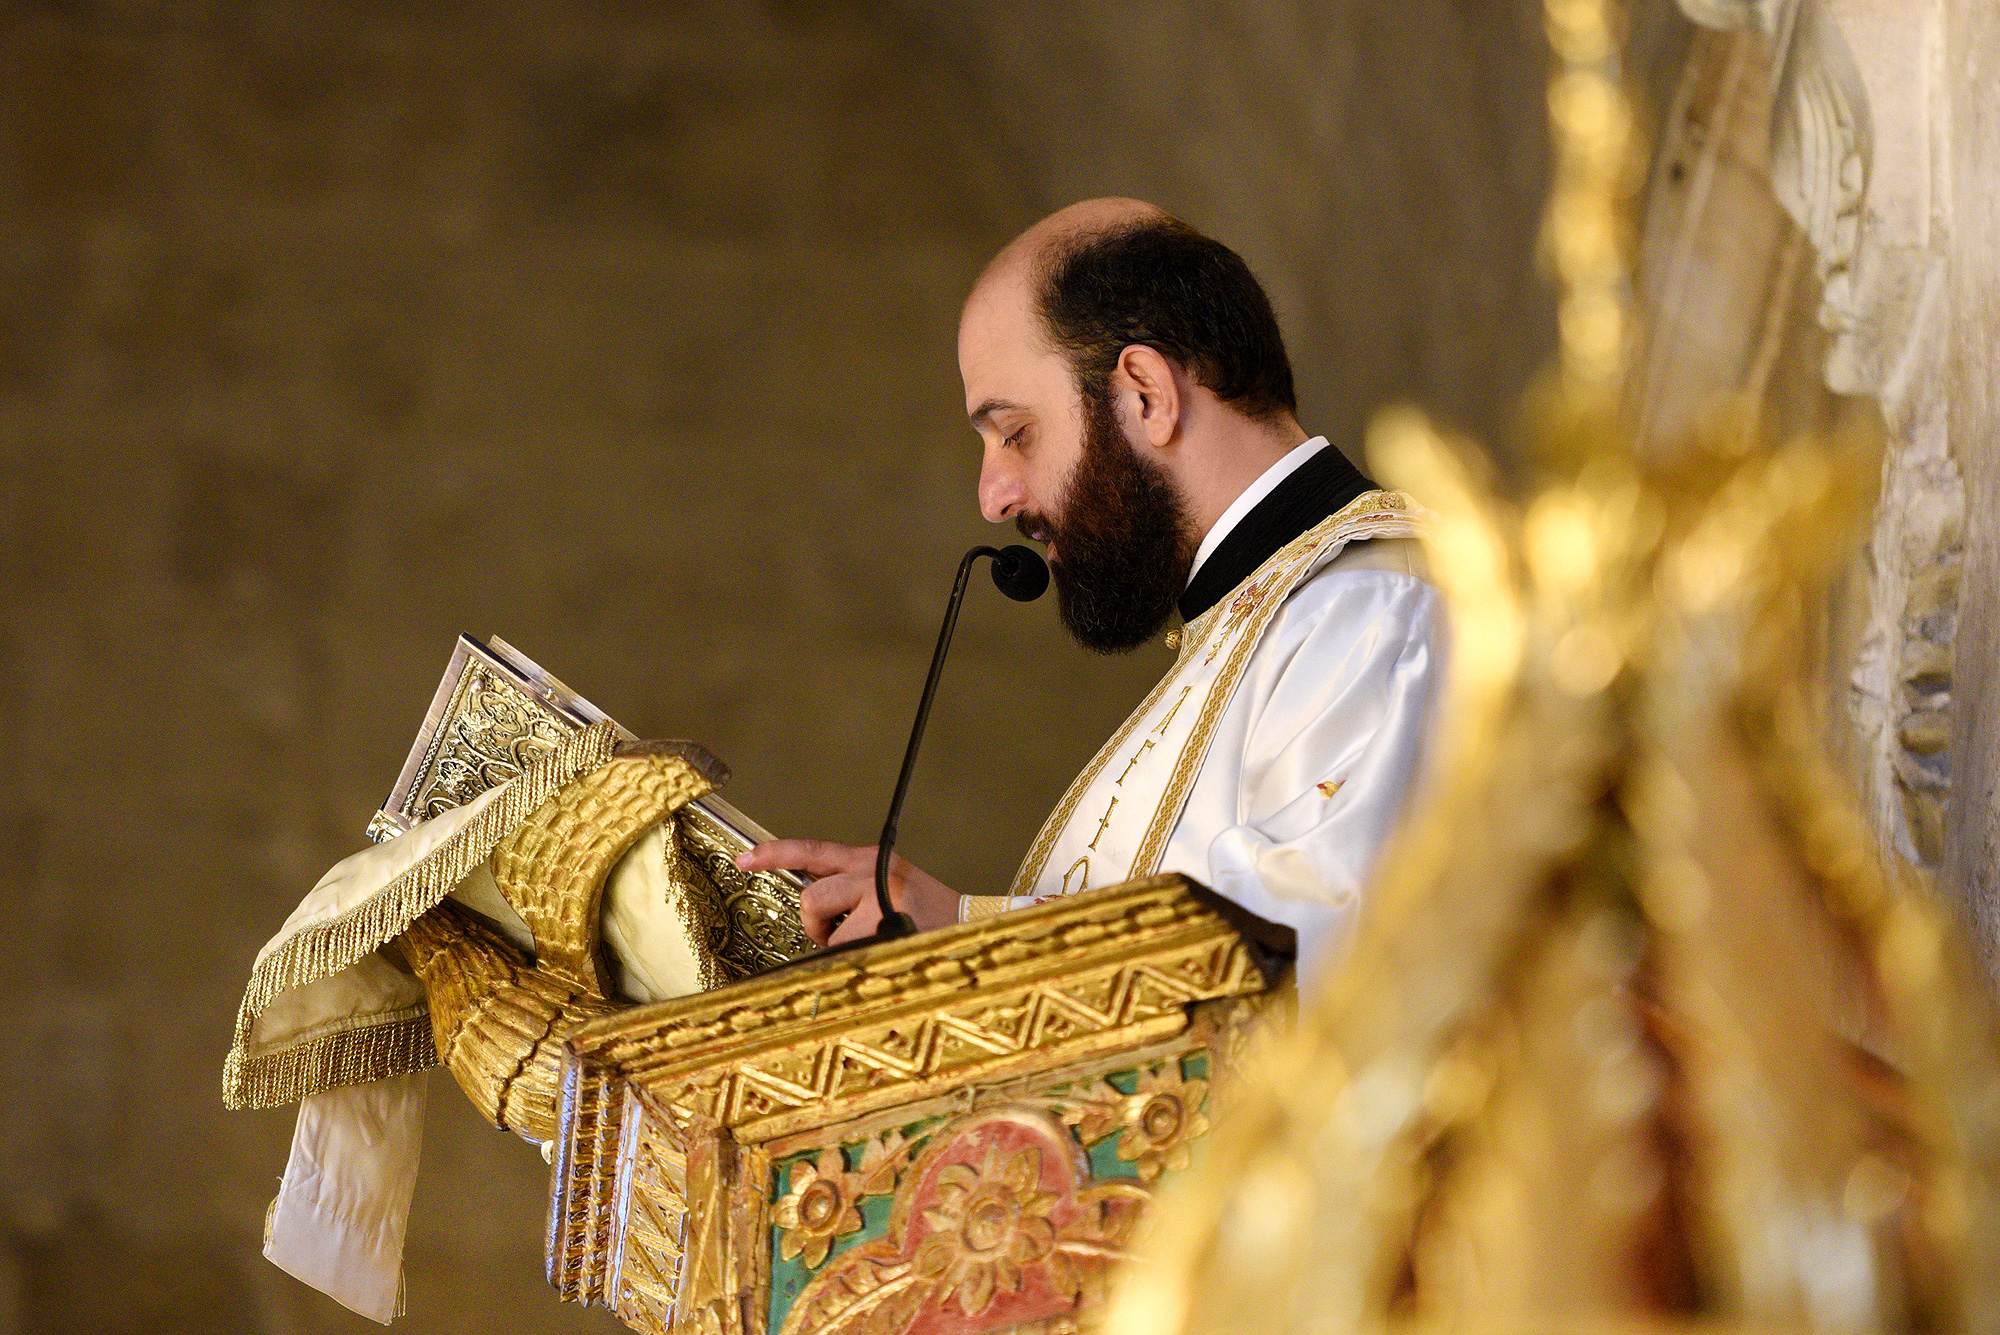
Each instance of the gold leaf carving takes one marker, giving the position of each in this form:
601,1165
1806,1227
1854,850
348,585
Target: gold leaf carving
551,867
497,1021
819,1208
988,1224
1162,1120
848,1049
852,1032
997,1220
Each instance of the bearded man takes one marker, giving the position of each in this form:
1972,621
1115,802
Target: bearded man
1129,383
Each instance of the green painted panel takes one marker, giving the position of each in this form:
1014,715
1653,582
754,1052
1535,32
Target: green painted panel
789,1278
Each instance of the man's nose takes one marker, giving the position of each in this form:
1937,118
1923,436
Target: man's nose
1002,492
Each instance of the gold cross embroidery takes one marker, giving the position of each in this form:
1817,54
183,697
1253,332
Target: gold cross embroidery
1175,710
1144,747
1092,845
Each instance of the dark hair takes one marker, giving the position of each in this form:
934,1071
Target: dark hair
1160,283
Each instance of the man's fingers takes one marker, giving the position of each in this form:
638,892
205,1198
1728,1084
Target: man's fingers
826,900
814,857
838,904
862,922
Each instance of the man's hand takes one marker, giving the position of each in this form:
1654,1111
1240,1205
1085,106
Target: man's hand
840,905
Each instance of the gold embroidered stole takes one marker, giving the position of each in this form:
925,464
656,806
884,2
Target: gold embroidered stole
1114,821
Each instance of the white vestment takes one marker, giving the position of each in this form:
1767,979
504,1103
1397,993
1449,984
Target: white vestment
1280,790
1314,758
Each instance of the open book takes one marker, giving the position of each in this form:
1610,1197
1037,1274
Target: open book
497,710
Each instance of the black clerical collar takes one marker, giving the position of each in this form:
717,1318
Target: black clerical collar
1316,488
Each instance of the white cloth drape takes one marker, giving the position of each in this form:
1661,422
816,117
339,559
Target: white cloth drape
339,1218
344,1203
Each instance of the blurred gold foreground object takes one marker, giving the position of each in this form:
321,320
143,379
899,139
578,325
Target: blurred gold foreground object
1635,1033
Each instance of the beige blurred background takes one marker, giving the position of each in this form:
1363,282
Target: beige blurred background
329,331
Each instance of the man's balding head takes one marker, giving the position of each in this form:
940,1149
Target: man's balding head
1102,274
1026,257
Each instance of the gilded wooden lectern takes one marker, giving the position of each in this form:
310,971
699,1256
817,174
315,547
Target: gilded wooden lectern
955,1131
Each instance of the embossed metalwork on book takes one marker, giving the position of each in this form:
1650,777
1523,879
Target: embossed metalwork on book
497,710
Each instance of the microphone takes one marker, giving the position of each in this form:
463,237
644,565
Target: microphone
1022,575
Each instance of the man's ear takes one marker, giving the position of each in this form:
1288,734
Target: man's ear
1149,393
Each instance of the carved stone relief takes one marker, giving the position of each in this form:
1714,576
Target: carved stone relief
1857,159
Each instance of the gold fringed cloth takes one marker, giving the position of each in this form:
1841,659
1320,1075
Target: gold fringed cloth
325,1008
334,1022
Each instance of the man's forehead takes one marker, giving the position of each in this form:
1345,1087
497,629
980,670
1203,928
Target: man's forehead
998,304
997,347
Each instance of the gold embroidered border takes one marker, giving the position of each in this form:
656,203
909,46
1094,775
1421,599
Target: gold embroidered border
1058,821
976,908
1376,514
379,1050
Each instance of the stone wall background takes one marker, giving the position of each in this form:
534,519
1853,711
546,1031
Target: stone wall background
328,331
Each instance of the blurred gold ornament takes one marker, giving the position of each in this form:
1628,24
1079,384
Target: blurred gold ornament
1634,1030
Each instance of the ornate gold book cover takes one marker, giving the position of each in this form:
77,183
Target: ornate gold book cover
497,710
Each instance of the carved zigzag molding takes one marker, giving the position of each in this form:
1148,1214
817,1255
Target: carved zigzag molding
1046,1017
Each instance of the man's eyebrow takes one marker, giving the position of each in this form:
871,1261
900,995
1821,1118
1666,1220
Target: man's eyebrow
985,410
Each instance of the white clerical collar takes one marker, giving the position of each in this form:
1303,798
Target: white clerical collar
1265,484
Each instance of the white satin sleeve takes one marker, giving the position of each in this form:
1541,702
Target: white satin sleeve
1345,686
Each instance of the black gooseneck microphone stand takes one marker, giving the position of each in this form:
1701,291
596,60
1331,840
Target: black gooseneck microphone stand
1020,574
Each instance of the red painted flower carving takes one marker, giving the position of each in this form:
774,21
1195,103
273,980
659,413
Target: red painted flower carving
988,1225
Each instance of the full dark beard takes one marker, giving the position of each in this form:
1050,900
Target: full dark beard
1121,539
